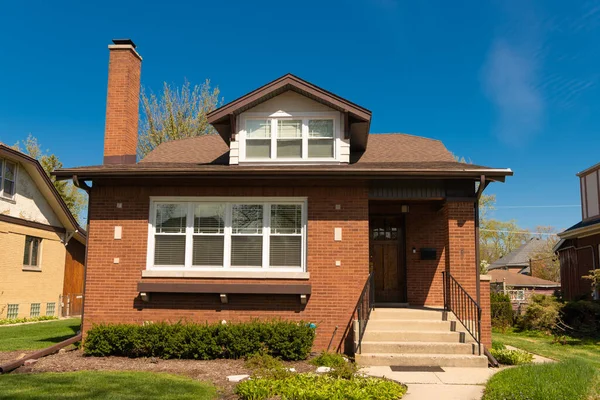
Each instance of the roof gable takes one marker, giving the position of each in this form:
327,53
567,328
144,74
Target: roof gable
358,118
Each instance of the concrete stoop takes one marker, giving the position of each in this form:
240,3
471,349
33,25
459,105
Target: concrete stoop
417,337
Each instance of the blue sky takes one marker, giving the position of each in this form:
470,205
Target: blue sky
505,84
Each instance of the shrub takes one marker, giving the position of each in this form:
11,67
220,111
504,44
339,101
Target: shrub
583,317
541,315
10,321
289,340
501,309
315,387
511,357
496,345
326,359
568,380
266,366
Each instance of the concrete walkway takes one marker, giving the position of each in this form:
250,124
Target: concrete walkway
451,384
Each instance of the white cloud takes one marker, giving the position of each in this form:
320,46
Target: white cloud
510,79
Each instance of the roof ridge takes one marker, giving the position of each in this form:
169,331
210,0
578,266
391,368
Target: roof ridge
406,134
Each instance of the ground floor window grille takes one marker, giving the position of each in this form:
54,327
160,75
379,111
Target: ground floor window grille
34,311
13,311
50,309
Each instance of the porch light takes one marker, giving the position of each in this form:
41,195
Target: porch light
414,250
404,208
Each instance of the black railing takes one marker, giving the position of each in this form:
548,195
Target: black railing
363,310
464,307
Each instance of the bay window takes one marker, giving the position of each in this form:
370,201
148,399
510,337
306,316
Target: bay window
233,234
289,138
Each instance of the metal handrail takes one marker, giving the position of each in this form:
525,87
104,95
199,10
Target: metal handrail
363,309
464,307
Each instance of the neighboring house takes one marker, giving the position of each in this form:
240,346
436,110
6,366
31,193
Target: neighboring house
579,247
283,214
42,246
520,287
519,260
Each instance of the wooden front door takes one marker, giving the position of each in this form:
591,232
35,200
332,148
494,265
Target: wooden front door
387,258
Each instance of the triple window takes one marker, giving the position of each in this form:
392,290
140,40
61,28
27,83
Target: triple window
8,178
288,138
241,235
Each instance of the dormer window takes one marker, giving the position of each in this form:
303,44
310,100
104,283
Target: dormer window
289,138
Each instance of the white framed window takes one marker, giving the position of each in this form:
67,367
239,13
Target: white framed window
34,310
8,179
235,234
296,137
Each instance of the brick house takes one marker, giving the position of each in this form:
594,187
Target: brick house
579,246
293,210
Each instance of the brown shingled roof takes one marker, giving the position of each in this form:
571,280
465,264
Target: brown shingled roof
519,280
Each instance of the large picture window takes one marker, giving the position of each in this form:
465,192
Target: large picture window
290,138
243,235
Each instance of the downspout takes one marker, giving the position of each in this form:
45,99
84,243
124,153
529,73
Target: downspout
85,187
480,189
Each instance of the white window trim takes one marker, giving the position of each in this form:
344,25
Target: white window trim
188,270
2,176
281,115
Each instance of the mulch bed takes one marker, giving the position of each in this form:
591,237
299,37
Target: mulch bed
214,371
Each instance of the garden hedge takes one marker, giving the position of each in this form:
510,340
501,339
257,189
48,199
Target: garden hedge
285,339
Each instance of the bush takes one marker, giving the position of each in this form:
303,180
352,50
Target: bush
568,380
266,366
323,387
511,357
496,345
10,321
583,317
326,359
541,315
289,340
502,312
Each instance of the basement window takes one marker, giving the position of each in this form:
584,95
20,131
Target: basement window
234,234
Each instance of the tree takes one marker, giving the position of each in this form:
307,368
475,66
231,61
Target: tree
178,113
545,264
75,198
497,238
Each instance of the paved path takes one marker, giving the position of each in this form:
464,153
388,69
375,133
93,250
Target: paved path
452,384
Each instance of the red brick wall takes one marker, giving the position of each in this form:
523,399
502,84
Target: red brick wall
486,314
122,102
461,260
425,228
111,294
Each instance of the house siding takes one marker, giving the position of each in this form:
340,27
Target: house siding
111,289
26,287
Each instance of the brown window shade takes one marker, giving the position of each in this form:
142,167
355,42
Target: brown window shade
285,251
169,250
208,251
246,251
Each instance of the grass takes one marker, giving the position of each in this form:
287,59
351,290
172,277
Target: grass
572,379
103,385
543,345
37,336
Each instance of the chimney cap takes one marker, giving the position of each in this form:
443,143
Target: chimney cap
124,41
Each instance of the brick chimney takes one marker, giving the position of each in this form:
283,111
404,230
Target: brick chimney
122,103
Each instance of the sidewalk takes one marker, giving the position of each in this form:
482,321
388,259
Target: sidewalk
451,384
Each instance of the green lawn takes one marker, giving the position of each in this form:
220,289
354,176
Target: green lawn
541,344
38,335
573,379
103,385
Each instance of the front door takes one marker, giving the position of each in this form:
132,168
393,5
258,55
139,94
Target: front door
387,258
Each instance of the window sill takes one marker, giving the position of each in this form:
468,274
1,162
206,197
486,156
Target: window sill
32,269
225,274
10,200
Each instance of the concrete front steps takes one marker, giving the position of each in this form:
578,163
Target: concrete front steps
417,337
